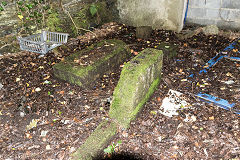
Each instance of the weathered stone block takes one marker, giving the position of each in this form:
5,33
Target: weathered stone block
138,81
197,3
213,13
213,4
160,14
196,13
231,4
84,67
96,141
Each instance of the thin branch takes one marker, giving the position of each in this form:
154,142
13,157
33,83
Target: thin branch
77,28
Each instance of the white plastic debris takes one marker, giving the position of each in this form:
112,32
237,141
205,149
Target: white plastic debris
229,82
22,114
190,118
38,89
43,133
171,103
1,86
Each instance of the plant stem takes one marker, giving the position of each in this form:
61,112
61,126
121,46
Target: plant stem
77,28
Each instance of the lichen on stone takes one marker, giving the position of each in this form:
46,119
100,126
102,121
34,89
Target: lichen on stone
138,80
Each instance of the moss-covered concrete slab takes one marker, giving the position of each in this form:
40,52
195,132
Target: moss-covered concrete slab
84,67
138,81
96,141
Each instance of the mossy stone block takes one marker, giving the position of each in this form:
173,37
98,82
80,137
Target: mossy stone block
96,141
139,79
84,67
169,50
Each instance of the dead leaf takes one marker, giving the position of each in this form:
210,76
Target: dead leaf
46,77
211,118
48,147
61,92
135,53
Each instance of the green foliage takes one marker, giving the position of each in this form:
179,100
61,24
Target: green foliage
93,9
53,22
33,13
111,148
2,5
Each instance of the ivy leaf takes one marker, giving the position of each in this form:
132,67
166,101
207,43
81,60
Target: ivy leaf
119,142
20,17
20,3
29,6
1,8
4,3
93,9
22,9
109,149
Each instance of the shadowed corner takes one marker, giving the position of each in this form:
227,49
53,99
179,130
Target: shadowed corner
119,156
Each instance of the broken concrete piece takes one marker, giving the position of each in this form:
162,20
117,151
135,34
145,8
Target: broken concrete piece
210,30
84,67
189,33
139,79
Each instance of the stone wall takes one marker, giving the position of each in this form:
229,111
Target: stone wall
223,13
8,19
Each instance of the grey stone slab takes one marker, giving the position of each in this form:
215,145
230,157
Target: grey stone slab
196,12
201,21
197,3
219,23
228,25
232,4
212,13
160,14
229,15
213,3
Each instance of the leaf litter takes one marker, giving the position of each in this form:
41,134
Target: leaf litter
60,116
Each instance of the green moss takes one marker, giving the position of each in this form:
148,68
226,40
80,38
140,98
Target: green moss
138,81
54,23
77,74
145,99
96,141
123,115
